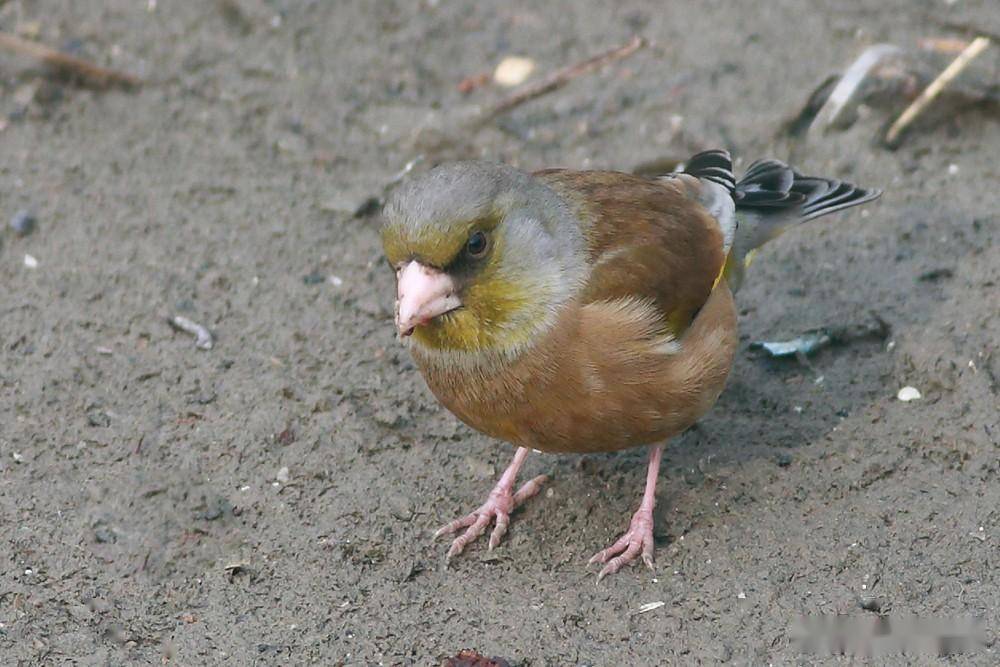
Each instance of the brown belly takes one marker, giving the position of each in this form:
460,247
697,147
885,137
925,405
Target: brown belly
596,384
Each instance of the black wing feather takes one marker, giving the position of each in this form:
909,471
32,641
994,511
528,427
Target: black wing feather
714,165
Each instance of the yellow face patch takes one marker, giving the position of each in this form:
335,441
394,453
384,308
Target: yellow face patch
483,322
490,299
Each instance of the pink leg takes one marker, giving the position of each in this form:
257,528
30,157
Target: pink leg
639,537
500,503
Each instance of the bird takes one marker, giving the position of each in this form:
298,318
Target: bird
568,311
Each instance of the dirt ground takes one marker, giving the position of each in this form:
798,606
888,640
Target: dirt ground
271,500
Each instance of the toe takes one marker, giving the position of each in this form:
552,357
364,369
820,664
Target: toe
647,553
624,558
452,526
529,489
474,531
603,555
503,520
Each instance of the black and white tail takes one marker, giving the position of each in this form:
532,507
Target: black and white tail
769,199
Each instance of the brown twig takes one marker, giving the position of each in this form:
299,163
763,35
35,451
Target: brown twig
87,72
931,92
561,77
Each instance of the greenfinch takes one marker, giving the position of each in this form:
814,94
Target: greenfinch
583,311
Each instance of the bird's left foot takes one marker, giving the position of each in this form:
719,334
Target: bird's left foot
498,506
638,539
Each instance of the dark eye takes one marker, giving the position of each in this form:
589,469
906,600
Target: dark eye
477,245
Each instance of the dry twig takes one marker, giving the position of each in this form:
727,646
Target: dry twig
561,77
87,72
930,93
845,93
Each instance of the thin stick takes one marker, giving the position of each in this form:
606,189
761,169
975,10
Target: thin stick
96,76
561,77
845,93
930,93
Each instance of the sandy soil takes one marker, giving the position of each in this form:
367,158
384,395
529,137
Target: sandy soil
270,501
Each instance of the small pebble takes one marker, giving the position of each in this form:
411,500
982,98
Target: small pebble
513,70
952,169
907,394
23,222
870,604
283,475
30,262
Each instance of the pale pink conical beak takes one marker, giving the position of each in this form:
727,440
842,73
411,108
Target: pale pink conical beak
422,293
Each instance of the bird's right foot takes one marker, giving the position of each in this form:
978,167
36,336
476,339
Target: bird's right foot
498,506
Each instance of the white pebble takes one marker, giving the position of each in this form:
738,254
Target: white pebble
30,262
908,394
283,475
741,595
952,169
336,281
513,70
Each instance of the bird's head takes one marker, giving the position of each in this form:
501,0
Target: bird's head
483,254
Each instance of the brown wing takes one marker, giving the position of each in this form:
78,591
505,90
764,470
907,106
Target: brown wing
647,238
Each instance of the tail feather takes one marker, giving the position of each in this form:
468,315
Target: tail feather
767,176
828,196
773,184
772,197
